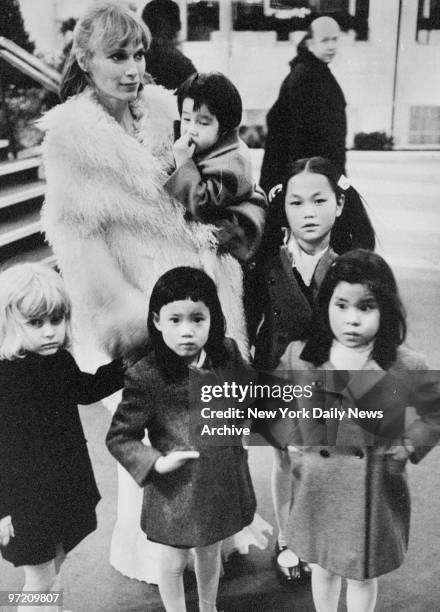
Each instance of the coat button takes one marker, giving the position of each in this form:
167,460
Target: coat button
318,384
324,453
277,312
359,453
271,281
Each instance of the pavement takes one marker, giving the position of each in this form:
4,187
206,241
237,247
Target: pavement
402,190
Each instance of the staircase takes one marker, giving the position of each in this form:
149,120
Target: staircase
21,196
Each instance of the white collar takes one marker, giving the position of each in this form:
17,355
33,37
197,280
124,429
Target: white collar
200,361
302,261
350,358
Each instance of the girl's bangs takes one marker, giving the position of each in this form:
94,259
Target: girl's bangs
43,300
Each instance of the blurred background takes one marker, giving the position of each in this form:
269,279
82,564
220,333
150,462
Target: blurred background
387,64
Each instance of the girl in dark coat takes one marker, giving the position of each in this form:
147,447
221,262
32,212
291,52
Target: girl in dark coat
351,511
48,492
197,489
325,217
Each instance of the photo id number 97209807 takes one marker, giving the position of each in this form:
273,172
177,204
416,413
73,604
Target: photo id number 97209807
31,598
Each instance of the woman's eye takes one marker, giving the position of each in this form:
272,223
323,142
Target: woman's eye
139,55
116,57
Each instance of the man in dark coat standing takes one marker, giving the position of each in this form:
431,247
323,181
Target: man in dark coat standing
167,65
308,119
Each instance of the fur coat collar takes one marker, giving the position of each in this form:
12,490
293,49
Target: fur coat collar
85,142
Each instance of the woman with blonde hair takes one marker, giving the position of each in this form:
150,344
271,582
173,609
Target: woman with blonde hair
113,228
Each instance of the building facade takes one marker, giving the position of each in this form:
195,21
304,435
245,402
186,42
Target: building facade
388,64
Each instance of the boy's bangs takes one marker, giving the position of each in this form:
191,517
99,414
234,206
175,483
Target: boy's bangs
118,31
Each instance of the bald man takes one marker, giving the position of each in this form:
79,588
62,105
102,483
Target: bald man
309,116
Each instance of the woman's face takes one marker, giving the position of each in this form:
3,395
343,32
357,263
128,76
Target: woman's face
117,73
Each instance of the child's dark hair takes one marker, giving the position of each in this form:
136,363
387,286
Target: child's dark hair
218,93
352,229
366,268
181,284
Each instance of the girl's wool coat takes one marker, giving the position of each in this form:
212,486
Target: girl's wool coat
351,506
113,227
47,484
286,311
205,500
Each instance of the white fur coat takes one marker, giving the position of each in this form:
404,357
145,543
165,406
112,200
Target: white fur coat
113,228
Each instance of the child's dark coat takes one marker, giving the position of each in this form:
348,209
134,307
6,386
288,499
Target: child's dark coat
218,186
47,484
287,312
205,500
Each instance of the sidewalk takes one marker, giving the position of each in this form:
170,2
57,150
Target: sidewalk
91,585
408,218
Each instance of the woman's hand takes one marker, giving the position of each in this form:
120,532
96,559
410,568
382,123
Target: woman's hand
183,149
173,461
122,326
6,530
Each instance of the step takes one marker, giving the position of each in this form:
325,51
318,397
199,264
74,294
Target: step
21,193
16,229
41,254
18,165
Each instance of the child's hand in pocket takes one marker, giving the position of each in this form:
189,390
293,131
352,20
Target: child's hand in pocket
398,455
173,461
6,530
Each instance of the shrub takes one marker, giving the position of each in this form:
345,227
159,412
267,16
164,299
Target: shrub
24,107
253,135
373,141
12,27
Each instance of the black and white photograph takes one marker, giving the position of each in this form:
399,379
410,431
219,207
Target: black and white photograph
219,303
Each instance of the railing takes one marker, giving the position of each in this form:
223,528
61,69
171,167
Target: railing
22,187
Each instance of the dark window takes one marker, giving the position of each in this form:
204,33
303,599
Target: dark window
286,16
203,18
428,22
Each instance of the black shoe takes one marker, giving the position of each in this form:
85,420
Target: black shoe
306,571
287,574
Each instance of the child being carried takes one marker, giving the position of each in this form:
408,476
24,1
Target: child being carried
213,175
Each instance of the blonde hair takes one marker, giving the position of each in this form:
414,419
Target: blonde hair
29,291
107,24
